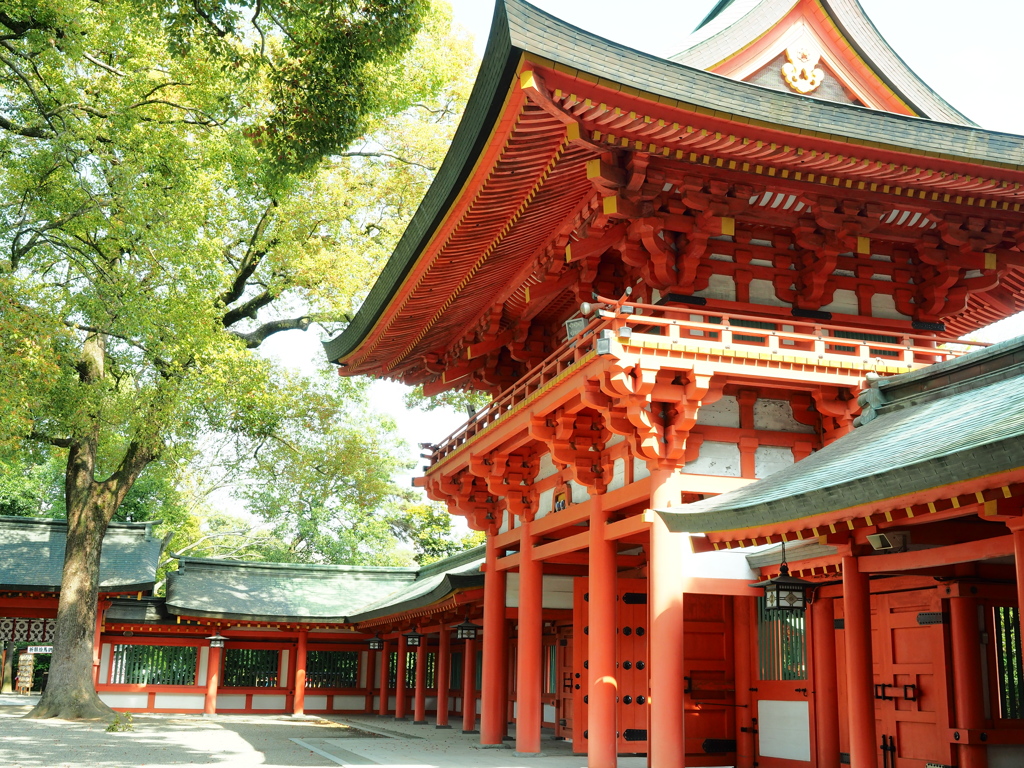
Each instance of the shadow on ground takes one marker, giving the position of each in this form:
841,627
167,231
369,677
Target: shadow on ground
164,740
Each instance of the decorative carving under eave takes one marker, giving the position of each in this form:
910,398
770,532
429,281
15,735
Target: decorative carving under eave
576,440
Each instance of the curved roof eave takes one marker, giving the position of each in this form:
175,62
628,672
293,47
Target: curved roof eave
519,28
732,25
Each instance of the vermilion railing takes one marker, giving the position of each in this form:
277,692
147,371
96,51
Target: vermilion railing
635,324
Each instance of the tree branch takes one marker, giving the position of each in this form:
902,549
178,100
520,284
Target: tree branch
28,131
247,310
250,262
101,65
254,338
57,442
388,155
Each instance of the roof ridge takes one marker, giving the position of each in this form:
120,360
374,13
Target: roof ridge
312,567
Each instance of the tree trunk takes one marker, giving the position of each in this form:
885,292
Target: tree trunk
70,693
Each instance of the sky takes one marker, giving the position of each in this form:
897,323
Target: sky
968,52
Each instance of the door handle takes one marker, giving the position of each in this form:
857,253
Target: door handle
910,692
801,690
880,691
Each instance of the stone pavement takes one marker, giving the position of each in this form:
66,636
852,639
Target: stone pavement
248,741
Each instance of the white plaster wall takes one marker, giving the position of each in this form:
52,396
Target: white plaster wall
557,591
204,663
363,663
230,701
179,701
785,729
125,700
763,292
105,651
724,412
351,702
769,459
777,416
716,459
788,342
697,319
549,713
719,287
844,302
504,527
579,492
269,701
1006,756
884,305
285,668
316,702
545,502
618,475
640,470
545,467
614,440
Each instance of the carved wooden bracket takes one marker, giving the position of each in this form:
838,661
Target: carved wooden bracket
576,440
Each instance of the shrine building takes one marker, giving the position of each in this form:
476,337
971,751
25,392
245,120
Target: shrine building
684,282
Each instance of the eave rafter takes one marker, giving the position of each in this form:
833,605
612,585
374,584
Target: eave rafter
985,503
609,120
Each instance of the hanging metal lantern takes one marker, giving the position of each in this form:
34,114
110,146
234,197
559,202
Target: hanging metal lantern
217,640
376,643
413,639
467,630
785,592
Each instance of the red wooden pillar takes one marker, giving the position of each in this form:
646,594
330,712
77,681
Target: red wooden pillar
742,611
1018,553
529,647
826,688
400,690
371,672
101,607
969,696
666,735
602,741
494,696
212,681
859,666
385,659
419,715
299,701
469,687
442,671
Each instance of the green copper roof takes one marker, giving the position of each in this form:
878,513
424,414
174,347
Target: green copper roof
32,555
956,421
519,27
301,593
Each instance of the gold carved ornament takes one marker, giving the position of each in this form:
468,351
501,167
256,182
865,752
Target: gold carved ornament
801,71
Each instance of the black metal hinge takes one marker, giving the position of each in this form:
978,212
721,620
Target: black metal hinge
839,624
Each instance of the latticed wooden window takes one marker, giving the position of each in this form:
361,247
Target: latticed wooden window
410,669
153,665
332,669
781,644
877,337
1010,662
250,668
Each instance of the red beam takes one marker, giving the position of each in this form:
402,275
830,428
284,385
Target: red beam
968,552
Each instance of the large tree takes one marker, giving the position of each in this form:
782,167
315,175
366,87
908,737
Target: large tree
165,208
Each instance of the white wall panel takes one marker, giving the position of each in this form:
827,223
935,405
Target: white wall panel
716,458
724,412
618,475
316,702
269,701
179,701
125,700
777,416
784,730
769,459
353,702
557,591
